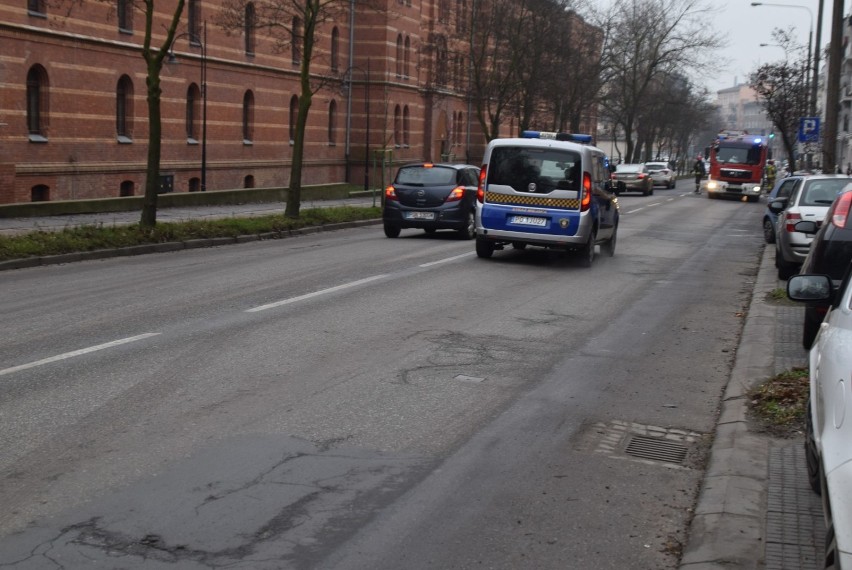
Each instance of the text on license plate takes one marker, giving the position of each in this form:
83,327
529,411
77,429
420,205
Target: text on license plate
528,221
419,215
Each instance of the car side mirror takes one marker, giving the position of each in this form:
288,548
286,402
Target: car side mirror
777,206
806,227
809,288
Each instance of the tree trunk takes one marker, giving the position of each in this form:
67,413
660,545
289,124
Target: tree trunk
152,171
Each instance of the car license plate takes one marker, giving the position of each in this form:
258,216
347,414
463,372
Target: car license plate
528,221
419,215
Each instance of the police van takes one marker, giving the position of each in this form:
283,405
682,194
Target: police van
547,190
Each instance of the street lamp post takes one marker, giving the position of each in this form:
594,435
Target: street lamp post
202,43
811,82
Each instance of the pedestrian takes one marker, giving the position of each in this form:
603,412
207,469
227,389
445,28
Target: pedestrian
699,171
771,172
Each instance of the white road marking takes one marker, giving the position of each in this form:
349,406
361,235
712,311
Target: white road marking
315,294
453,258
74,353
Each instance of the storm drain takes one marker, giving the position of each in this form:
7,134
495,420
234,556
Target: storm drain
656,449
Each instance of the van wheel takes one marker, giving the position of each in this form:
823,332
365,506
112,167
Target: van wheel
484,248
587,253
811,457
392,231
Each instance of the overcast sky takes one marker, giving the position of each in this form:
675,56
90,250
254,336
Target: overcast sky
748,26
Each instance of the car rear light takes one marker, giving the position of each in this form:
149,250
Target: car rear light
642,175
456,194
790,221
480,191
612,176
586,200
840,217
390,193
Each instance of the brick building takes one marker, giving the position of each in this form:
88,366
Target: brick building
73,110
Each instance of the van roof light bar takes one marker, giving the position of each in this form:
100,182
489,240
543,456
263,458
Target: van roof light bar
572,137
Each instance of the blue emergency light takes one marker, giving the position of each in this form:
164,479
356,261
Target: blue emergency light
578,138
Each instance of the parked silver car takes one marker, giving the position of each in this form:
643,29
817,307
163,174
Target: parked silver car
632,178
810,199
827,450
661,173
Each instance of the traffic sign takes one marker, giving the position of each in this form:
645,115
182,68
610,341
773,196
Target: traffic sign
809,129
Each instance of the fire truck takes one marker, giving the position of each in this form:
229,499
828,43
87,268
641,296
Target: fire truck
737,163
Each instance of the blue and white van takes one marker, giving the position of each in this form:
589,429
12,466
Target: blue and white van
547,190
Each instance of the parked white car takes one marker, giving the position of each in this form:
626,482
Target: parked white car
829,431
661,173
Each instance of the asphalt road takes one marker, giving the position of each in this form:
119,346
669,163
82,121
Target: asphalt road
343,400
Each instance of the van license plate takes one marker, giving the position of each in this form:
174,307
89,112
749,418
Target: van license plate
528,221
419,215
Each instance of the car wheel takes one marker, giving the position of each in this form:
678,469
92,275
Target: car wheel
587,252
609,246
809,330
811,457
768,231
391,230
469,230
484,248
785,268
671,185
831,554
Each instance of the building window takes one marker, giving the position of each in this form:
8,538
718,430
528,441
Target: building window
407,56
194,184
294,112
194,22
40,193
250,25
37,99
335,49
441,60
406,127
461,16
444,11
193,106
332,123
124,11
248,181
296,41
397,127
399,55
124,109
36,7
248,117
127,188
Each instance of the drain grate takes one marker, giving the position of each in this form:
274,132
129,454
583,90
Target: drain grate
656,449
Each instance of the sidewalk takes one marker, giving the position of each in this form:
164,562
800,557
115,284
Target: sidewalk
756,509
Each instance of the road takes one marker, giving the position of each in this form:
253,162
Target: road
347,401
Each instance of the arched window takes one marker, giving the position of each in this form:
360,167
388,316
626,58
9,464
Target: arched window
406,127
124,13
248,117
250,25
36,7
127,188
124,108
40,193
332,123
335,49
397,126
441,60
407,56
296,41
37,103
194,22
294,112
193,106
399,56
461,16
248,181
444,11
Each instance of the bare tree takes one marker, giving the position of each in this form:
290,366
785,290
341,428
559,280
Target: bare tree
637,53
294,25
782,88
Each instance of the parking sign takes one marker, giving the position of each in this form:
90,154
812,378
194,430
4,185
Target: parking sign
809,129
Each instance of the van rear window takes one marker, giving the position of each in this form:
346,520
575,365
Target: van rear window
537,170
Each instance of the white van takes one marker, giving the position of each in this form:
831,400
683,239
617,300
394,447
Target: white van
547,190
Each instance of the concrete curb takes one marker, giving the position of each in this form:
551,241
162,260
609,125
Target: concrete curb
173,246
728,529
